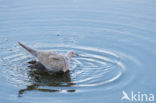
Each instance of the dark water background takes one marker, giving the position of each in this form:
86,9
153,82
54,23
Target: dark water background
118,36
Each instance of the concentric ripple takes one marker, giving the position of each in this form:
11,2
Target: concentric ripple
94,67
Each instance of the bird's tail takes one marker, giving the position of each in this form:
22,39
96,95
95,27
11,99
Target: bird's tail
30,50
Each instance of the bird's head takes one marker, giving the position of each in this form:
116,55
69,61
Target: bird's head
71,54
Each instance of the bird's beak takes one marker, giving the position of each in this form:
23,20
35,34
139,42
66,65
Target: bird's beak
81,56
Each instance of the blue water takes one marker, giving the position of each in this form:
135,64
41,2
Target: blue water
118,37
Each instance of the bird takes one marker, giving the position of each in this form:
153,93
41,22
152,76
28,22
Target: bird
52,61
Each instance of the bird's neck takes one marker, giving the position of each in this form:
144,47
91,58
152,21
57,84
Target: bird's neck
69,56
67,63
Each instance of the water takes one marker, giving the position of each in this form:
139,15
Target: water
116,36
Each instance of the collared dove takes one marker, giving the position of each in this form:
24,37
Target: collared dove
50,60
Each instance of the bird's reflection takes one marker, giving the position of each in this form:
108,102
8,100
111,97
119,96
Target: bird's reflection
39,77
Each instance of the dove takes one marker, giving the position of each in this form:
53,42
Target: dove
52,61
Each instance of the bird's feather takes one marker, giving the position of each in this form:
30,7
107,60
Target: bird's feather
49,59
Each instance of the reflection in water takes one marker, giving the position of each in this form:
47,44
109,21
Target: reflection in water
96,68
121,34
40,77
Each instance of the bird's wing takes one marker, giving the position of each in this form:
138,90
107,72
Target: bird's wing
48,56
55,57
57,62
51,60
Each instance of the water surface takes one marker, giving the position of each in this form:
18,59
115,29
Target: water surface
117,37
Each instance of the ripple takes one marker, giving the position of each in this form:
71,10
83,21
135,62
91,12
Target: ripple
96,67
121,33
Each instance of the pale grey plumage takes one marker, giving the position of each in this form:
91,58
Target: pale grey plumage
51,60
